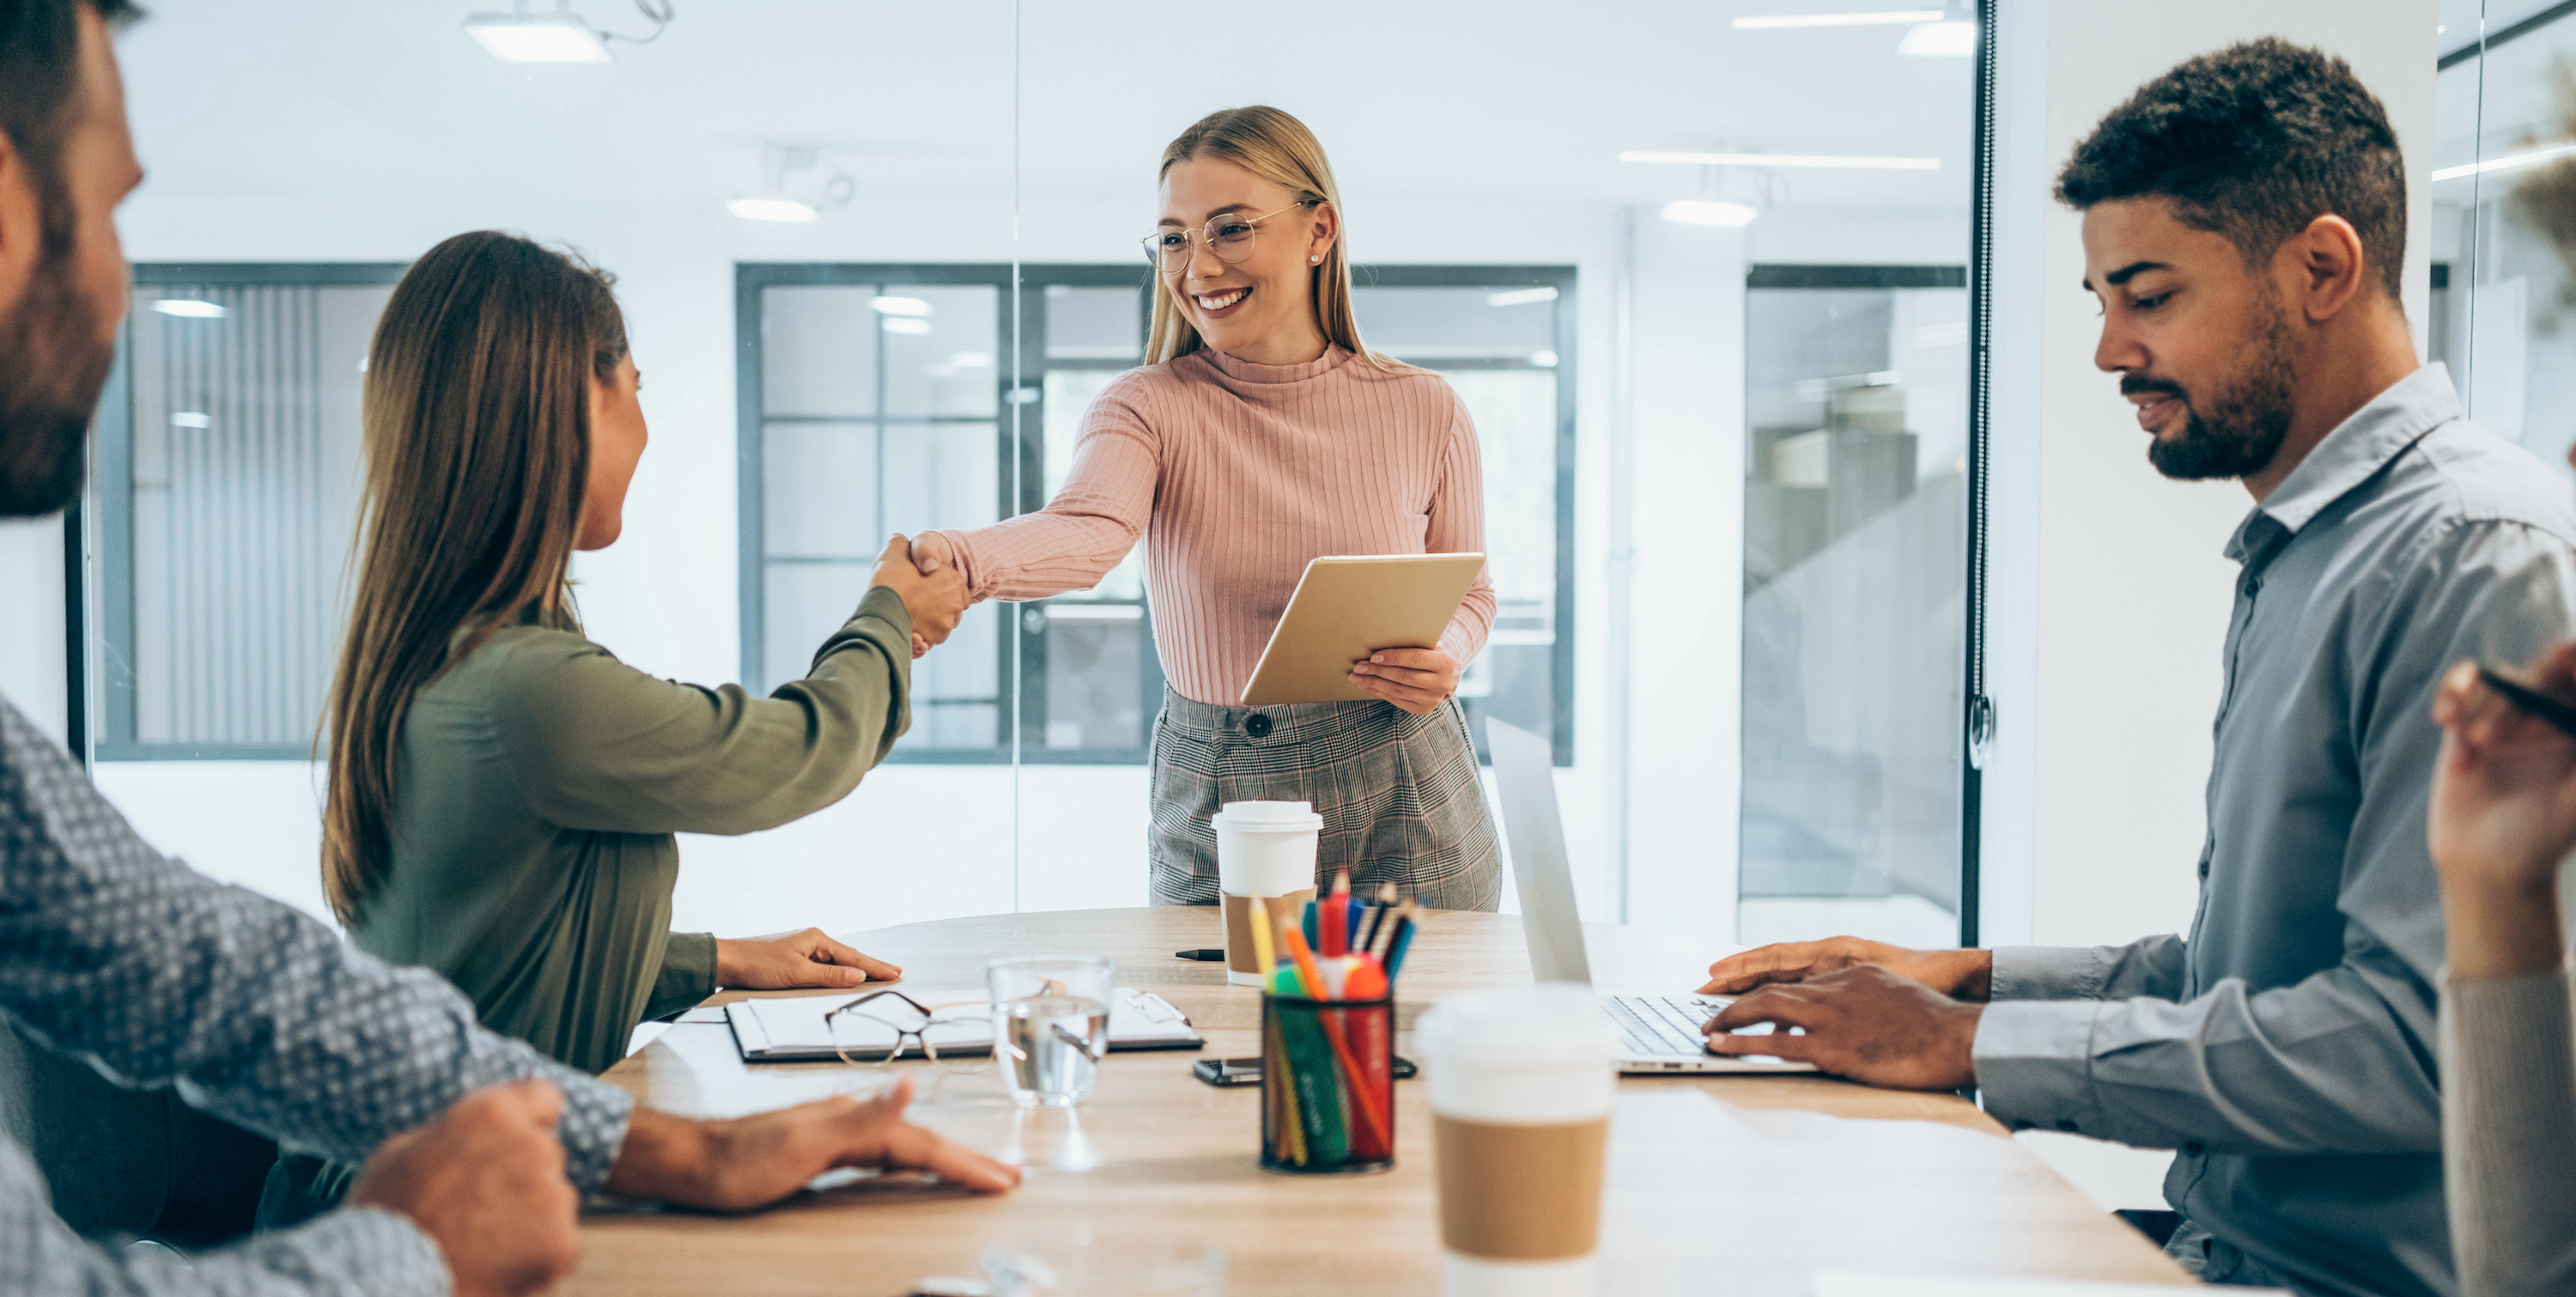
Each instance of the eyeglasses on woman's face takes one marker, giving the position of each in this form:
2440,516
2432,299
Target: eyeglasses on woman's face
1227,234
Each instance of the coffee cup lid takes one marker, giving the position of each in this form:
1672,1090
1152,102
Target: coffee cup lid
1262,817
1540,1026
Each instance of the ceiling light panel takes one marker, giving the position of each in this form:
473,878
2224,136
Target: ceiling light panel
1886,18
1939,41
1700,211
188,308
2508,162
1783,160
537,38
771,209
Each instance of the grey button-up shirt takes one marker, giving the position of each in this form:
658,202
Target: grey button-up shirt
2287,1049
258,1014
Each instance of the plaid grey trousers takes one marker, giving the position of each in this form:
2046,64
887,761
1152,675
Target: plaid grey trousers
1398,793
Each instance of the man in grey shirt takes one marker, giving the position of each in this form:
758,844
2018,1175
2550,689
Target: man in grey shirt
2244,224
475,1147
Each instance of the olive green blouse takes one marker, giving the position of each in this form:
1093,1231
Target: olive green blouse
539,785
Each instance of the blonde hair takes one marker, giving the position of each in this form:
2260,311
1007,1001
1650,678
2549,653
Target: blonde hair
1278,148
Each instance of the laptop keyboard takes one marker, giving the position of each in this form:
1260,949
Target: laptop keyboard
1659,1025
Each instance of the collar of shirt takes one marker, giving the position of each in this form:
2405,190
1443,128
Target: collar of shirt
2350,455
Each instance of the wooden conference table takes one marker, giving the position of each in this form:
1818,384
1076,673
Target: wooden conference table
1736,1184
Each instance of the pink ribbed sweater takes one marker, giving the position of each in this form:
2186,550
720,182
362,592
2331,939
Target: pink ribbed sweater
1237,474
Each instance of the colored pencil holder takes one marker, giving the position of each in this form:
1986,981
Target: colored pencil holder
1327,1085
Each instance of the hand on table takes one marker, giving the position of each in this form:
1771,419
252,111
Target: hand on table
1864,1022
1963,974
935,594
1417,680
785,960
485,1182
2503,815
748,1162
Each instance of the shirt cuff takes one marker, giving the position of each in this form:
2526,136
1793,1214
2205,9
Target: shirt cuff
593,1129
351,1250
2034,1063
2048,973
965,561
882,602
688,974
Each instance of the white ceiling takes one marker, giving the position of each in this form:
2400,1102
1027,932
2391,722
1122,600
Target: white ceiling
1493,104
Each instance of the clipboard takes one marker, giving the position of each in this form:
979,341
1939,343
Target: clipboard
789,1029
1346,608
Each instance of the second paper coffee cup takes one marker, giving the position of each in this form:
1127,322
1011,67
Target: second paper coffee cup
1521,1085
1264,849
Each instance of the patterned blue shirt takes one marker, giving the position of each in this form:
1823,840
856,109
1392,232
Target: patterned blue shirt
2287,1049
260,1015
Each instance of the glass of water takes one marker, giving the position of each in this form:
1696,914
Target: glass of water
1050,1025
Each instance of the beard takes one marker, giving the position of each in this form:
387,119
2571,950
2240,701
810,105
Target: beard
2246,417
50,376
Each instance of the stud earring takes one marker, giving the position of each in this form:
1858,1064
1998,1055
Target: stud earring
1314,261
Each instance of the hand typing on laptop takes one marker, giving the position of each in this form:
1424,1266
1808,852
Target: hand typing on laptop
1860,1010
1960,974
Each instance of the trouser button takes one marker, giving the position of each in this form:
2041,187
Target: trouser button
1258,727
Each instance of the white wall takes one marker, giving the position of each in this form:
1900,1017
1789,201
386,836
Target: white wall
2110,595
32,641
1685,726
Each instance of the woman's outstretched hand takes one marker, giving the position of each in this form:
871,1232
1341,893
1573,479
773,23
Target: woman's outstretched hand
1416,680
936,597
2503,816
786,960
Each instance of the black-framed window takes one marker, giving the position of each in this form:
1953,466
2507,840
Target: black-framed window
226,490
881,398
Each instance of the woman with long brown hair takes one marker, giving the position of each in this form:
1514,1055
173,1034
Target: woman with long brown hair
1264,433
503,792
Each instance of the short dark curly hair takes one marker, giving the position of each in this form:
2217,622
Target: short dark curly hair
2254,142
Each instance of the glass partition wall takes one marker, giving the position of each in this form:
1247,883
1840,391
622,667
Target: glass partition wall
1705,298
2504,219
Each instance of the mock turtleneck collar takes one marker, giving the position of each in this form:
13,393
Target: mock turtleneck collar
1334,357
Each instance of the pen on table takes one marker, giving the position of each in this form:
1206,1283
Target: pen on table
2531,702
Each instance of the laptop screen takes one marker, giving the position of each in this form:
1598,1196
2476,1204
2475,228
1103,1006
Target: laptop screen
1524,771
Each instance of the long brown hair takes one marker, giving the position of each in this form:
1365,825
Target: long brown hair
1278,148
476,417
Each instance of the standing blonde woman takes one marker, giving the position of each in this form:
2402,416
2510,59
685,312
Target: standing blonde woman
1265,434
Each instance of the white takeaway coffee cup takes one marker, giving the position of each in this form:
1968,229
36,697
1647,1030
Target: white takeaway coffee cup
1521,1084
1264,849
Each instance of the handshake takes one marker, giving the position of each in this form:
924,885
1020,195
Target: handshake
925,576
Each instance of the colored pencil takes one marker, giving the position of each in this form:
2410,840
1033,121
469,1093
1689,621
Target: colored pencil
1309,977
1263,957
1334,918
1377,915
1398,944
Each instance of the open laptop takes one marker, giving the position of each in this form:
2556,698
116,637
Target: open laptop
1658,1033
